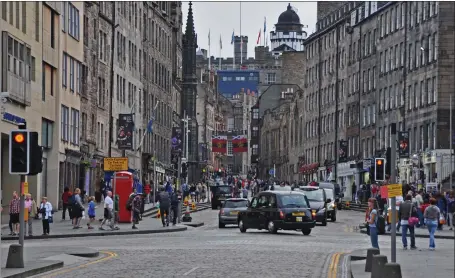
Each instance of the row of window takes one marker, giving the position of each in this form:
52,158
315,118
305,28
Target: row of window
72,73
19,59
18,11
70,125
70,20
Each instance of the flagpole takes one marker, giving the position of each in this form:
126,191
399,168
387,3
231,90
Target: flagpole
233,50
264,29
241,40
209,55
221,47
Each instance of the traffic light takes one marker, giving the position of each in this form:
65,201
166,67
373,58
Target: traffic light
379,170
36,155
184,171
19,155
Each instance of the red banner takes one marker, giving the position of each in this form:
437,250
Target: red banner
239,144
219,144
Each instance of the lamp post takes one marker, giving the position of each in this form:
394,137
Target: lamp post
186,130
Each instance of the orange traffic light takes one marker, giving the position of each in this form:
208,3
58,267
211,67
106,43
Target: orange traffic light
19,138
379,162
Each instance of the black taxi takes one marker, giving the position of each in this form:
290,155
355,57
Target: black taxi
277,210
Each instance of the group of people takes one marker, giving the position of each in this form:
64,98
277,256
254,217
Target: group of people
33,212
418,209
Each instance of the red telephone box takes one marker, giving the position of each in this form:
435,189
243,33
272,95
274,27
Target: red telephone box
123,187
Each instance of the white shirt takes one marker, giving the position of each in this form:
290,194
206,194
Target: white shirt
108,203
48,208
398,200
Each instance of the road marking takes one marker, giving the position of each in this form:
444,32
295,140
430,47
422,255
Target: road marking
191,270
333,268
109,256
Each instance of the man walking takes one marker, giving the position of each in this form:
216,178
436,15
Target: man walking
108,207
136,207
165,204
174,207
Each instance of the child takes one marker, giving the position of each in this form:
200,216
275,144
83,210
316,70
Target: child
91,211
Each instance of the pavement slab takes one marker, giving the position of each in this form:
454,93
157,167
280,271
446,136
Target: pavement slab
32,268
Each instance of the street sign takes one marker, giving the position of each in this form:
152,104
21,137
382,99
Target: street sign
394,190
25,190
115,164
271,171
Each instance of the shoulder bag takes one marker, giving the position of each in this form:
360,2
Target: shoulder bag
412,221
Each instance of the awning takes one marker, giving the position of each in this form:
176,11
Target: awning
309,168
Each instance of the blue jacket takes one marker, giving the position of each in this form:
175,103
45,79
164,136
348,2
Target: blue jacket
169,188
441,205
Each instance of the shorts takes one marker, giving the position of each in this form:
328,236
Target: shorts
14,218
91,216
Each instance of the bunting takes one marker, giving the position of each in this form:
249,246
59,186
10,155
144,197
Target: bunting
239,144
219,144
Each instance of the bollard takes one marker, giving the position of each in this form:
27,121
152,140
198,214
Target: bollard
370,253
391,270
377,266
15,257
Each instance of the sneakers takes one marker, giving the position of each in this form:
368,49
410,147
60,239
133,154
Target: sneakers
405,248
431,248
134,228
413,247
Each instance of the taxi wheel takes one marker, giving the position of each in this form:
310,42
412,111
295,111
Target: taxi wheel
324,223
306,231
242,226
334,217
271,227
221,225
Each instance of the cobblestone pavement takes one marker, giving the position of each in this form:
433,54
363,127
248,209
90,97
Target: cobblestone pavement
212,252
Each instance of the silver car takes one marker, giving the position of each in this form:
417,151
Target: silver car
229,211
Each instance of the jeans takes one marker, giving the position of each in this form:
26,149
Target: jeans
175,215
432,225
374,237
64,208
29,223
404,235
420,215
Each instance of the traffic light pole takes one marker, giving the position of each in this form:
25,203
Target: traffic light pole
393,180
22,211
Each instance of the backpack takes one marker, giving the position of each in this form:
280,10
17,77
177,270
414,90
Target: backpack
451,207
71,200
380,224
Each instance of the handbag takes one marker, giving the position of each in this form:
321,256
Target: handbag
50,219
412,221
442,219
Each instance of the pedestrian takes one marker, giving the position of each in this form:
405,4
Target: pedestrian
451,209
143,199
91,212
78,209
46,212
65,200
31,209
431,216
165,204
136,208
186,190
407,210
174,207
442,205
71,200
147,190
14,209
108,207
372,220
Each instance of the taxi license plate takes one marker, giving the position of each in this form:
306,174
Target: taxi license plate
298,214
298,219
234,212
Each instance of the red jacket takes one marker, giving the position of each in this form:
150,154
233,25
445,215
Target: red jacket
147,188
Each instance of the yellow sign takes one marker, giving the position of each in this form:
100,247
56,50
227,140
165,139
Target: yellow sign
25,187
394,190
115,164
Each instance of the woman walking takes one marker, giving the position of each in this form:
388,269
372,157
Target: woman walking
431,216
78,208
408,210
46,212
372,220
31,208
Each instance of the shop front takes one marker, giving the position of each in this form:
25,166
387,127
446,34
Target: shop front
309,171
429,166
405,170
346,176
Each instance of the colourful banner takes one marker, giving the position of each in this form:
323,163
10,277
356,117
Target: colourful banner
239,144
219,144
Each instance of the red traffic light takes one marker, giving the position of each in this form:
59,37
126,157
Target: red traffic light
19,138
379,162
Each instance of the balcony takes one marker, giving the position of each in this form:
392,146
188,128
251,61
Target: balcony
18,89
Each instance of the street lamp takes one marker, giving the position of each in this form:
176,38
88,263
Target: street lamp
186,130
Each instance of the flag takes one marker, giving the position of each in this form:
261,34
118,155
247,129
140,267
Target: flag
265,24
232,38
221,43
239,144
259,37
219,144
209,37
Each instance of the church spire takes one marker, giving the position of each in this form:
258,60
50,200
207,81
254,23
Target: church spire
189,31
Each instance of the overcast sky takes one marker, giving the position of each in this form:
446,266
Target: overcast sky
221,18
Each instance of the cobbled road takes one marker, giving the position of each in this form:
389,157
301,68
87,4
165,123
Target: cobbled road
212,252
